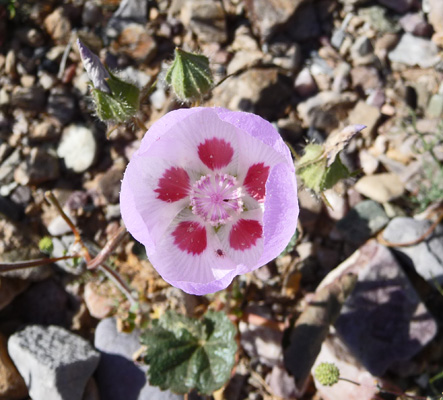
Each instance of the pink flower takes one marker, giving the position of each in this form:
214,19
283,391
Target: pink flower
211,194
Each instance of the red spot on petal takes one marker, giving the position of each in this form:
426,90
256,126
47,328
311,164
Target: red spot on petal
255,181
173,185
190,237
215,153
245,233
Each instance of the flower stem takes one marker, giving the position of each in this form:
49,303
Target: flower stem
115,277
5,267
349,380
107,249
53,200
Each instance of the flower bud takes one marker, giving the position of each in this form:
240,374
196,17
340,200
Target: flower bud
327,373
96,71
45,245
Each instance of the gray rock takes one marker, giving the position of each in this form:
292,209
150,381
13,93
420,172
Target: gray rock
43,303
27,251
92,13
304,24
11,288
414,23
304,83
268,16
435,106
41,166
91,390
118,377
367,115
427,256
77,148
435,15
109,185
262,342
289,58
361,47
33,98
362,221
413,50
8,167
61,105
21,195
334,351
30,36
8,208
243,59
262,91
367,78
383,321
137,42
206,19
58,226
55,363
320,111
400,6
62,247
379,19
129,11
282,383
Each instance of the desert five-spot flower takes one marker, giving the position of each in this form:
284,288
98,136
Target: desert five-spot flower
211,194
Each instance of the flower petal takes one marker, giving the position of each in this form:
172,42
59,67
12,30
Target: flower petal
173,185
146,215
245,233
242,240
215,153
192,140
190,237
258,128
188,266
255,181
281,211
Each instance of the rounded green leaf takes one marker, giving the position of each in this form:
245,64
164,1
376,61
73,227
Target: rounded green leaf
185,353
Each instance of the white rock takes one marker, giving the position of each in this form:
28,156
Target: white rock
412,50
78,148
380,187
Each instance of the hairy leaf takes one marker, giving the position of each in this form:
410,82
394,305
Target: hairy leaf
185,353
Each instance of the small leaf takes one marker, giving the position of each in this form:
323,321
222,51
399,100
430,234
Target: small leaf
311,167
189,75
121,105
334,173
185,353
314,171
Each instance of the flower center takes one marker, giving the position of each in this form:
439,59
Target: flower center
216,198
